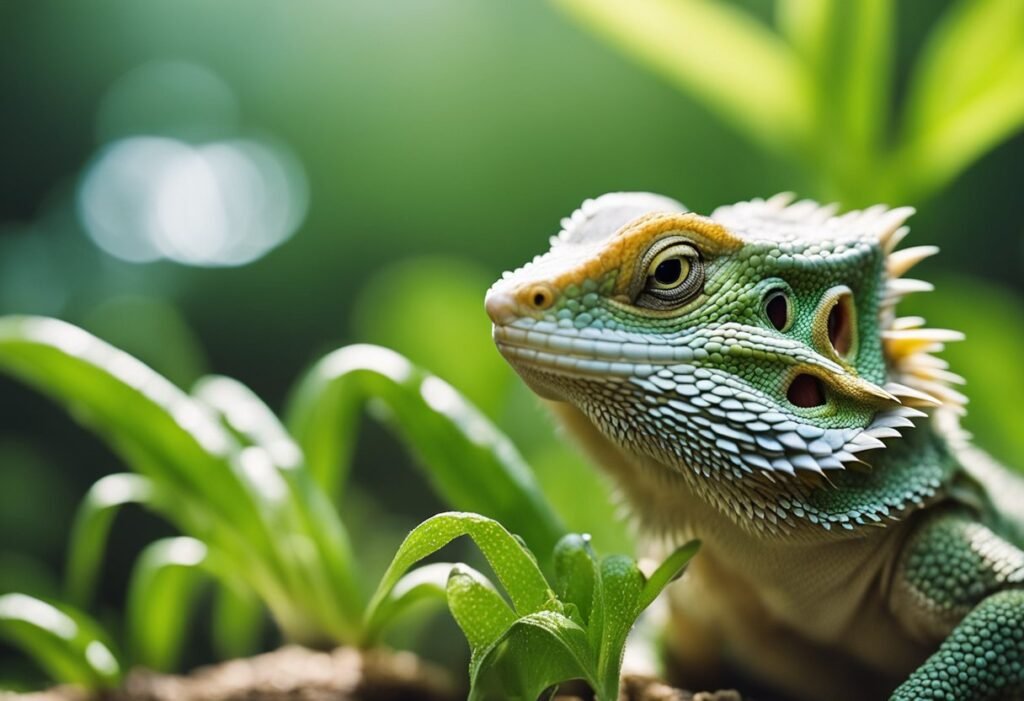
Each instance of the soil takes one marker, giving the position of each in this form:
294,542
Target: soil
298,674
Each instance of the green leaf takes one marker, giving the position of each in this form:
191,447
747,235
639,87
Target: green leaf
667,571
511,562
716,52
238,622
621,586
575,572
161,594
227,495
467,460
965,93
536,652
91,527
425,583
63,641
846,48
157,428
323,578
481,612
249,417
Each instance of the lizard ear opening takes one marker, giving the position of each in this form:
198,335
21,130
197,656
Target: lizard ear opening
806,391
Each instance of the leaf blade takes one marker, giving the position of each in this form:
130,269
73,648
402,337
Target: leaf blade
670,569
471,464
755,81
513,564
91,527
536,652
63,641
161,593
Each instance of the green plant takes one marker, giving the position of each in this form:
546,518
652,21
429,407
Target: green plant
819,89
66,643
252,499
573,629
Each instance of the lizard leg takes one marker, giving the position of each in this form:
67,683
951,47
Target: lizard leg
960,583
982,659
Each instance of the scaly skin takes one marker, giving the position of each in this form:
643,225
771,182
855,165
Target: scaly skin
745,380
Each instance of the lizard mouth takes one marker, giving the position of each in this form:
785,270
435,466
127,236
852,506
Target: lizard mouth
544,346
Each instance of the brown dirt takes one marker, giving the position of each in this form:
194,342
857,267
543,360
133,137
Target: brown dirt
289,674
298,674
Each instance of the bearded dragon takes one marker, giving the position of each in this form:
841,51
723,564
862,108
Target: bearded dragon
745,380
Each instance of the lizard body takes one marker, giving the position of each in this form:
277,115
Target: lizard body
745,380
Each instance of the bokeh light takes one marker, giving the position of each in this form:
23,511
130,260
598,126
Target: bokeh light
226,203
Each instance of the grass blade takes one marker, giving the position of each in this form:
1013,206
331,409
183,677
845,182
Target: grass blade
511,561
667,571
716,52
91,527
467,460
161,594
64,642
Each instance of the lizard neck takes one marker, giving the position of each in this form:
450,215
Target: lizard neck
674,503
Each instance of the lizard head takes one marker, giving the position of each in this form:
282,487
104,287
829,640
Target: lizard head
760,341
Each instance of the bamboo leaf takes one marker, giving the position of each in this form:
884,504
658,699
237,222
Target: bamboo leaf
716,52
467,460
63,641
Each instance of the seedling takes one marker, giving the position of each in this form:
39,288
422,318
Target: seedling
545,633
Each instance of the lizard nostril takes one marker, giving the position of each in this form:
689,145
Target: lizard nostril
840,331
776,307
834,330
806,391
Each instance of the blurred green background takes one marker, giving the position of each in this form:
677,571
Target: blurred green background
239,187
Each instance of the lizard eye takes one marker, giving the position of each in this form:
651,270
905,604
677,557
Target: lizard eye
673,274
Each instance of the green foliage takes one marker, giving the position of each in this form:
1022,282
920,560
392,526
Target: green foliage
62,640
255,517
545,634
818,90
470,463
